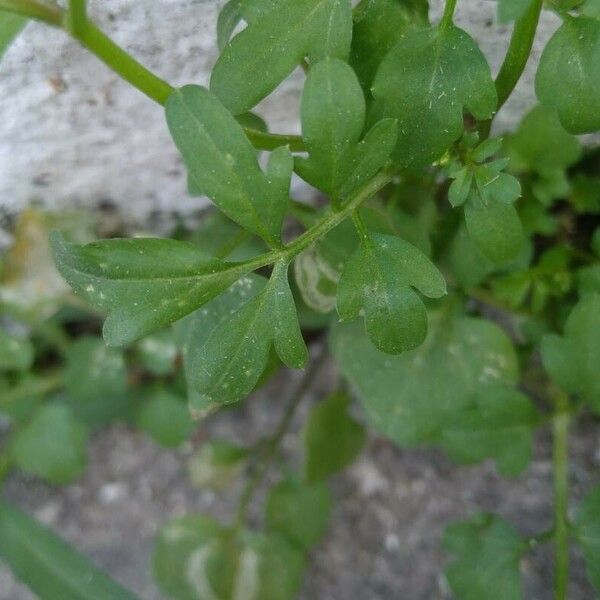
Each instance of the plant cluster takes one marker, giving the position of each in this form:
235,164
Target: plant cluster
430,225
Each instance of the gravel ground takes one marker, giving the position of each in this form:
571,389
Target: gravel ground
384,538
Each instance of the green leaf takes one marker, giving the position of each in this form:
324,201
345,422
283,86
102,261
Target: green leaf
333,118
380,278
52,445
468,264
425,82
229,18
197,559
299,512
16,353
491,219
500,426
572,360
166,418
217,464
332,438
541,143
10,27
143,283
411,397
587,533
47,565
95,379
568,76
225,363
259,58
512,10
378,25
223,164
487,552
588,280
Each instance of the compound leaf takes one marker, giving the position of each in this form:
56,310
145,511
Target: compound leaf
587,533
52,445
223,164
333,118
299,512
568,76
425,82
47,565
145,284
499,425
332,438
225,364
411,397
279,36
380,278
572,360
487,552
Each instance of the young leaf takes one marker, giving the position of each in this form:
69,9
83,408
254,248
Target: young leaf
425,81
499,425
487,552
223,164
332,438
52,445
10,27
145,284
196,558
411,397
229,18
166,418
568,76
333,118
587,532
16,353
492,220
572,360
378,25
379,278
299,512
259,58
47,565
226,363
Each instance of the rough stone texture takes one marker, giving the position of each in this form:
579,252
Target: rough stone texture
73,134
383,541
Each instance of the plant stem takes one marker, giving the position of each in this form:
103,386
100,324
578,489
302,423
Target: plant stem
42,10
448,16
516,58
272,444
77,17
561,494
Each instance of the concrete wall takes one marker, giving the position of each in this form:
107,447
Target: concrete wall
72,134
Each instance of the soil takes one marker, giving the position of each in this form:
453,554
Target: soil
391,506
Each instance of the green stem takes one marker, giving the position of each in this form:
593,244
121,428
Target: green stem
516,58
42,10
77,17
448,16
561,495
271,445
